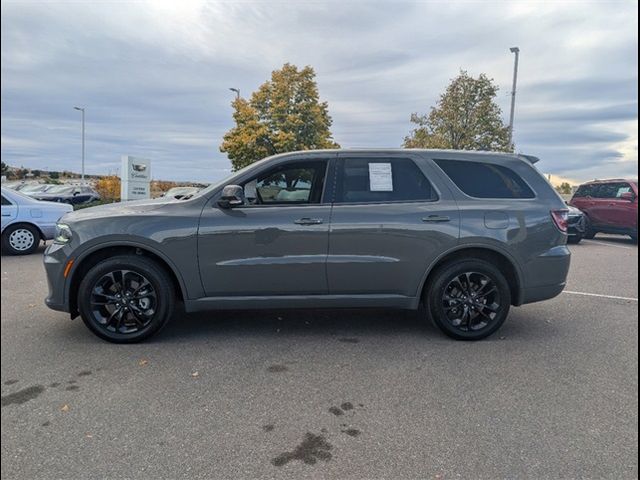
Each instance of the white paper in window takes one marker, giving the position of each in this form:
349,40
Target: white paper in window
380,177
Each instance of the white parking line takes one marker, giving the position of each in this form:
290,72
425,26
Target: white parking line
600,296
609,244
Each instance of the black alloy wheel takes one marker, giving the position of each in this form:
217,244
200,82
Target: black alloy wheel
126,299
469,299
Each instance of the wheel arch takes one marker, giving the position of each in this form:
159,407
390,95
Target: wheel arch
101,252
505,263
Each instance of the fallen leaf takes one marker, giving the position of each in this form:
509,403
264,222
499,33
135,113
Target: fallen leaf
195,374
143,362
64,408
88,435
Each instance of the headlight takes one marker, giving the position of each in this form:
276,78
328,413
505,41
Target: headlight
63,234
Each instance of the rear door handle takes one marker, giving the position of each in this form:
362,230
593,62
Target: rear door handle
436,219
308,221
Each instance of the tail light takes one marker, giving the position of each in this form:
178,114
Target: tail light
561,219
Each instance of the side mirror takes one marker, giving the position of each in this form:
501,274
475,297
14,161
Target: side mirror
629,196
232,196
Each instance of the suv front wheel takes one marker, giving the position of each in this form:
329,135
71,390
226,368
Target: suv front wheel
126,299
468,299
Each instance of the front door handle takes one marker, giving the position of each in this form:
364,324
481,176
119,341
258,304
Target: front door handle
436,219
308,221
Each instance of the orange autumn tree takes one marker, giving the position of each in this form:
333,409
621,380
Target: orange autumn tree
285,114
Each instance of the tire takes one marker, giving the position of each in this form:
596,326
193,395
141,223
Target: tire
111,315
634,237
575,239
20,239
448,284
589,232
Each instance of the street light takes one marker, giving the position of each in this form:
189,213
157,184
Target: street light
516,51
82,110
237,90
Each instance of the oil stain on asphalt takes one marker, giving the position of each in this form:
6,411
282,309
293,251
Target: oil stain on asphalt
22,396
316,447
311,449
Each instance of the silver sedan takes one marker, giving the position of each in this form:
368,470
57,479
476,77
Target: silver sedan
25,221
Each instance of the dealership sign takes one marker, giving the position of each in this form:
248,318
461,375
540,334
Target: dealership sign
135,178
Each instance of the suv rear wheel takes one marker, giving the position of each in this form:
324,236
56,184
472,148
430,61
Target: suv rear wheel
126,299
468,299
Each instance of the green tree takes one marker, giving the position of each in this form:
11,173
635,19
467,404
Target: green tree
465,118
5,169
285,114
564,188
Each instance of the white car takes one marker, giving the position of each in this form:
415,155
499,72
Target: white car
25,221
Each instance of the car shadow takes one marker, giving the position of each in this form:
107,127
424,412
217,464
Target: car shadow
279,323
342,324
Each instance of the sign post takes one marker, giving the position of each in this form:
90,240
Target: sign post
135,178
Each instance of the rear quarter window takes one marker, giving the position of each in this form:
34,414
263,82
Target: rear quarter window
485,180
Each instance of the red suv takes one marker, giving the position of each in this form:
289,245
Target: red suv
610,206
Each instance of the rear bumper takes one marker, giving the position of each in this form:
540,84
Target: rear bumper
538,294
546,275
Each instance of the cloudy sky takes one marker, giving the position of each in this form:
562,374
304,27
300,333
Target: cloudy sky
154,76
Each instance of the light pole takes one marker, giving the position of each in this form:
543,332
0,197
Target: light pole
237,90
515,50
82,110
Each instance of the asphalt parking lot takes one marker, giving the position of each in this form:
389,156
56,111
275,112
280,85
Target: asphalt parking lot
329,394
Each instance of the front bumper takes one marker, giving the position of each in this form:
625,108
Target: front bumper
55,260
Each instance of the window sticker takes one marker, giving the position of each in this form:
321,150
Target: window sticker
380,177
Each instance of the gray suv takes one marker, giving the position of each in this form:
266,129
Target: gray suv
467,234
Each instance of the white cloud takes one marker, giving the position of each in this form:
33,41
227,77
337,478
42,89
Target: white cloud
154,75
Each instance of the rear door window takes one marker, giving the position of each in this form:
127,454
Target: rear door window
485,180
584,191
379,180
5,201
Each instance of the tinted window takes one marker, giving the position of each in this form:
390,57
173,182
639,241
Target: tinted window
584,191
381,180
286,184
485,180
5,201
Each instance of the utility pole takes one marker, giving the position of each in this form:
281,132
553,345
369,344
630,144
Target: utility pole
237,90
515,50
82,110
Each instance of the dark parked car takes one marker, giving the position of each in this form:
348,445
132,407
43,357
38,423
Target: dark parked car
72,194
576,225
468,234
610,206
